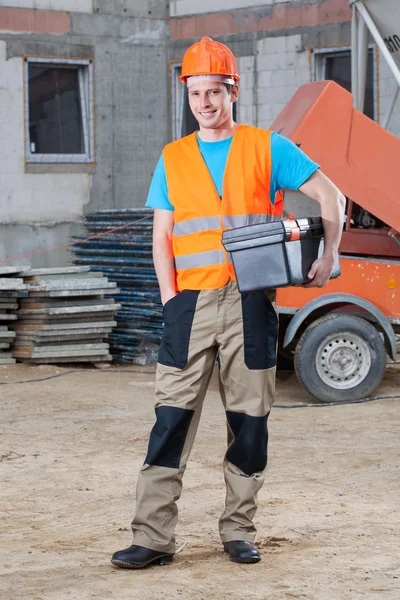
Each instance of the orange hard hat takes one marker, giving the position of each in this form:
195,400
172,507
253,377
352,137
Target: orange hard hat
208,57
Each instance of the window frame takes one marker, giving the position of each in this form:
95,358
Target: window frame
86,95
318,68
176,113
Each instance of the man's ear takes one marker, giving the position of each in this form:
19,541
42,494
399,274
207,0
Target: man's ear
235,93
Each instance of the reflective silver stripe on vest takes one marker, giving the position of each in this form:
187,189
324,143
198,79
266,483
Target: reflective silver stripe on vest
194,225
200,259
242,220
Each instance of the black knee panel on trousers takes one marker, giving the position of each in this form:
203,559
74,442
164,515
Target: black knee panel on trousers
248,450
168,436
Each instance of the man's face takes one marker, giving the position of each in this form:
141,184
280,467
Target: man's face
210,103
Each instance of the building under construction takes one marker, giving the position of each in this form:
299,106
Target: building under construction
90,94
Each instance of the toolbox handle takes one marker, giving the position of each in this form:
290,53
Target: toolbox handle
300,228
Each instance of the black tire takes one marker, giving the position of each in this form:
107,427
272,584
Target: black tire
332,340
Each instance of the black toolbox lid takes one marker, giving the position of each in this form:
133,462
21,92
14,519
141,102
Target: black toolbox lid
271,232
249,232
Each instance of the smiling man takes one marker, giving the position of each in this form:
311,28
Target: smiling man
222,176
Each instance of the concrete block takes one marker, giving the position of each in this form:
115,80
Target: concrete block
13,270
293,43
28,272
301,61
265,79
69,311
276,109
246,97
246,81
264,112
264,124
64,348
50,303
59,354
155,9
247,115
109,289
120,28
289,77
246,65
62,333
22,326
62,338
11,283
275,62
91,359
68,284
3,50
276,95
272,45
6,334
191,7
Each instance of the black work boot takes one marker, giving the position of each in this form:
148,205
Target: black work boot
242,552
138,557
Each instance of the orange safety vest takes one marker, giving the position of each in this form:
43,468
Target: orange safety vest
200,215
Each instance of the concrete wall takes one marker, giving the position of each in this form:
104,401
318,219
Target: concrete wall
274,44
131,42
65,5
42,205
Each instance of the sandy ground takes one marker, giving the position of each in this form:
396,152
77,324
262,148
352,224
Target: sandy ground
70,449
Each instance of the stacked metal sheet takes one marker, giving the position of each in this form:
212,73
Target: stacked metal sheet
66,317
11,289
125,256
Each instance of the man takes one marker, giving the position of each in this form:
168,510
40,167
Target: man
224,175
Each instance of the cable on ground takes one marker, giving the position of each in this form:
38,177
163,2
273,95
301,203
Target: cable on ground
300,405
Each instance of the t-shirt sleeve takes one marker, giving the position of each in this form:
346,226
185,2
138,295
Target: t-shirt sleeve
290,166
158,192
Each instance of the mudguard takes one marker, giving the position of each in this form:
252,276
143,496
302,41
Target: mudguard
337,298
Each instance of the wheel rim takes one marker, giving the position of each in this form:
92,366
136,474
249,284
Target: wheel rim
343,360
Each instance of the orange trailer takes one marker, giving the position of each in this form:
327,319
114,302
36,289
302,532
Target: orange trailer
339,336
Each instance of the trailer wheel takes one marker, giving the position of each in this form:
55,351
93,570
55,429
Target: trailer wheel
340,357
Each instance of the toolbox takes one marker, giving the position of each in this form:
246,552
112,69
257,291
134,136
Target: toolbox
277,253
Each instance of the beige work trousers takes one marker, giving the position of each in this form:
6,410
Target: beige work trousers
241,330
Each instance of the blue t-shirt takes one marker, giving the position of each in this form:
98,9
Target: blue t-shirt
290,169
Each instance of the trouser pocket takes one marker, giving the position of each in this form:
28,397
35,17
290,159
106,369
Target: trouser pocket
178,315
260,330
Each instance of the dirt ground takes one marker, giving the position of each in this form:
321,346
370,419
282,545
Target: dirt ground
70,448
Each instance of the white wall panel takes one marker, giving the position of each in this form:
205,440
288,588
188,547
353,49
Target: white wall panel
179,8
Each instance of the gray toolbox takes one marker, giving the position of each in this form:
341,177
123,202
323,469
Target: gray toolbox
277,253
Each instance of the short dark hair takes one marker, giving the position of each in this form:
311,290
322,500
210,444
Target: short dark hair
229,87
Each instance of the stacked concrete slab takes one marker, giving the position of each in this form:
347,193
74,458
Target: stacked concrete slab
66,317
125,256
12,288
